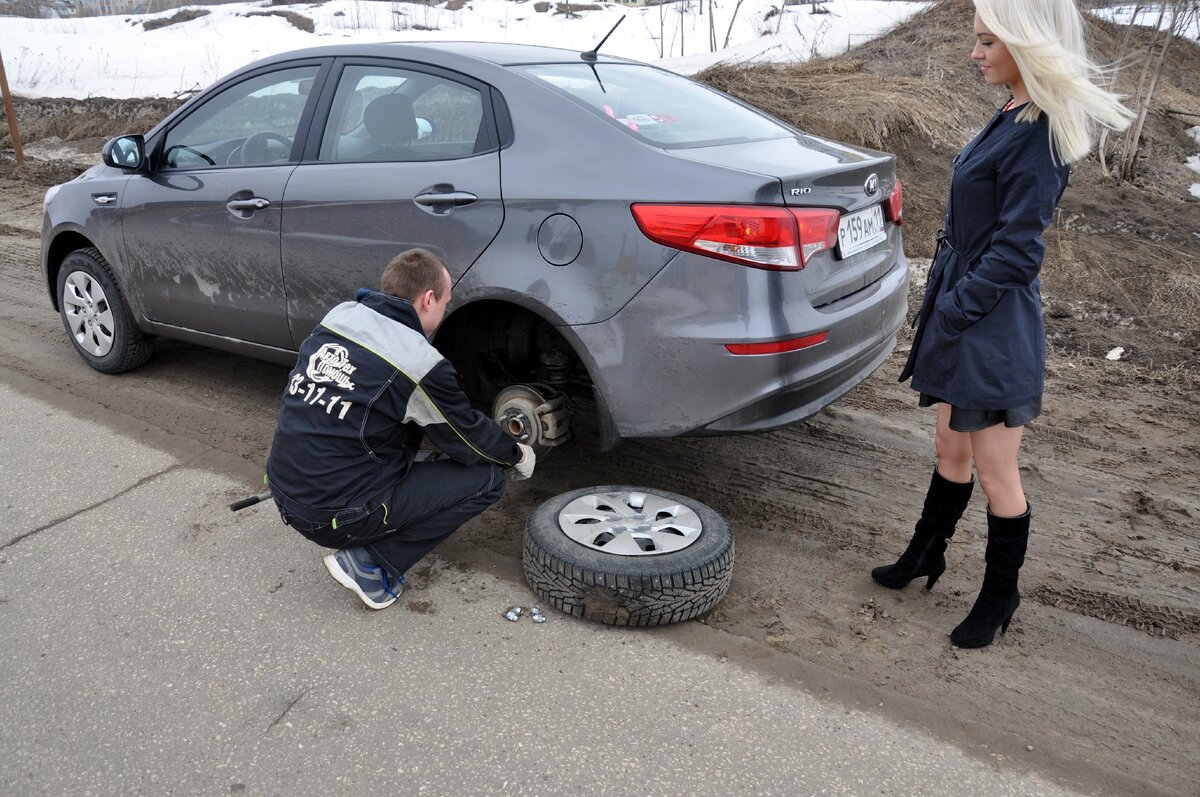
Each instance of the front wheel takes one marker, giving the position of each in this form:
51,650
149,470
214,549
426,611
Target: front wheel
624,555
95,315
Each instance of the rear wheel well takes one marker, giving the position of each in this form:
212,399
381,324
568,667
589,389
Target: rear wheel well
494,344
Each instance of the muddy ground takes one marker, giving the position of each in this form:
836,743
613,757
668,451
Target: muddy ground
1097,682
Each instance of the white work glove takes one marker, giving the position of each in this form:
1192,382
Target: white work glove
524,468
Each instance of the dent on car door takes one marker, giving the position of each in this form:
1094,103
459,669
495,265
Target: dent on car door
407,157
202,231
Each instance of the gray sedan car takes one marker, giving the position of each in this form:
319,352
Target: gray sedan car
627,245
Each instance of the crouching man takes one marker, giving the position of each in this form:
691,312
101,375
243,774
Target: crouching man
366,388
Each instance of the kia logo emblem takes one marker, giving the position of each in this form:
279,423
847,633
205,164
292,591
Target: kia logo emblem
871,186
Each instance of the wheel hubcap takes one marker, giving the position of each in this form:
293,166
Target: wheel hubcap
87,313
630,523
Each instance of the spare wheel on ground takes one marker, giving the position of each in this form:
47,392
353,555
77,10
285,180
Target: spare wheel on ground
626,555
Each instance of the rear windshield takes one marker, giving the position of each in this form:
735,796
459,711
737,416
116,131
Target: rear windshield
659,107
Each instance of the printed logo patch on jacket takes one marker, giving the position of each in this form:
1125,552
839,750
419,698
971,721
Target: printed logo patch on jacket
331,363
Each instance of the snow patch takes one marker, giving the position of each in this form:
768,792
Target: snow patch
1193,162
117,57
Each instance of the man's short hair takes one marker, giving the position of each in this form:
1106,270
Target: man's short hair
413,272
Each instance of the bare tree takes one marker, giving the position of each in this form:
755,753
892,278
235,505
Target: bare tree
729,32
712,27
1174,17
662,30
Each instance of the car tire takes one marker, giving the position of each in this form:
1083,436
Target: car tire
652,588
95,315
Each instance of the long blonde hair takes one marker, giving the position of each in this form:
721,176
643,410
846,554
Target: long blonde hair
1046,40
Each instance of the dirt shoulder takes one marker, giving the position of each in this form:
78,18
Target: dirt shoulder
1095,684
1097,681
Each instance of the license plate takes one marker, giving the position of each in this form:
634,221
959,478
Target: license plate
861,230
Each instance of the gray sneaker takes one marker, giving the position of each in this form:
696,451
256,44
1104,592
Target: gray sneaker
355,570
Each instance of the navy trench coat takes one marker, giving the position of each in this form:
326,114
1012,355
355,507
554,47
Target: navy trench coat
980,343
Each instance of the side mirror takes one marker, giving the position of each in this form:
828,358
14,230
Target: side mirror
125,152
424,128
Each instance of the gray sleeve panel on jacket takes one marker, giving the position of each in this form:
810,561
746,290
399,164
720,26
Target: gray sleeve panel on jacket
446,416
421,410
402,347
466,434
406,349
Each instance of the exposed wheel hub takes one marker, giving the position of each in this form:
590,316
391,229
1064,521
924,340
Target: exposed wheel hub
531,418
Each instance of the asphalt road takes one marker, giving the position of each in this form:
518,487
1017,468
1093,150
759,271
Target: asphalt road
153,642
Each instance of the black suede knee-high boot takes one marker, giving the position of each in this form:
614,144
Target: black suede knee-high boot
998,598
926,552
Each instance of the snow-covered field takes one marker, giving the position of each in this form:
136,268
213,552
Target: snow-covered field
116,57
1151,15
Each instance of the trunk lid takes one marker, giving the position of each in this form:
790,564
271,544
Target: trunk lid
815,172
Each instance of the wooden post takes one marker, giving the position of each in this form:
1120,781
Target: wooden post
12,115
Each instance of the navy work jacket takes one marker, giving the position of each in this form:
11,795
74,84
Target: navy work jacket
366,388
980,343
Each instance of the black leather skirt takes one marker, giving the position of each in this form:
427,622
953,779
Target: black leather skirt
962,420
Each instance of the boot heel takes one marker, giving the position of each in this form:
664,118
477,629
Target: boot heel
925,555
1007,620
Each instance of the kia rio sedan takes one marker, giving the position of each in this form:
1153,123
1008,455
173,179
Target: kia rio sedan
621,239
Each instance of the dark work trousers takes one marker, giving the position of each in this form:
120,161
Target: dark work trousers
426,507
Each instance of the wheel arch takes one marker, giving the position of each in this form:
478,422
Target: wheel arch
517,334
63,244
478,325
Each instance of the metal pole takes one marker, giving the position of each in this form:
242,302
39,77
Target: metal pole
12,115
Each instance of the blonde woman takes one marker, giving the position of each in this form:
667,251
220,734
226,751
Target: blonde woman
978,353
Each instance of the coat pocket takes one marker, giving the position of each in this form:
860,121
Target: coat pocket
937,357
944,327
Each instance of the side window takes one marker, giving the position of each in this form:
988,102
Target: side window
388,114
250,124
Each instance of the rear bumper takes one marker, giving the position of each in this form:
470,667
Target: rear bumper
663,370
794,404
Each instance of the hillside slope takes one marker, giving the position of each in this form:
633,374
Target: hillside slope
1123,255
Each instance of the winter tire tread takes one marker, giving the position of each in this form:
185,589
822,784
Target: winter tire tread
621,590
131,347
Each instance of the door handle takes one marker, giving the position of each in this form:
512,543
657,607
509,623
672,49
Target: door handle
251,204
452,198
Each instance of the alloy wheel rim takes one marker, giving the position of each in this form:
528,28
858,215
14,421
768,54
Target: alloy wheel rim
88,313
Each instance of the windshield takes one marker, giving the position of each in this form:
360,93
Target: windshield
664,109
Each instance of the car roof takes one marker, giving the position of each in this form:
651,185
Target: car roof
447,53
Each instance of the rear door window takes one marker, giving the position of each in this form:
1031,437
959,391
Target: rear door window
659,107
383,113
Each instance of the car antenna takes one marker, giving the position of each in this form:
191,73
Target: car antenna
590,55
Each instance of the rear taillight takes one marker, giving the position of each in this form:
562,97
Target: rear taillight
760,236
893,206
818,231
